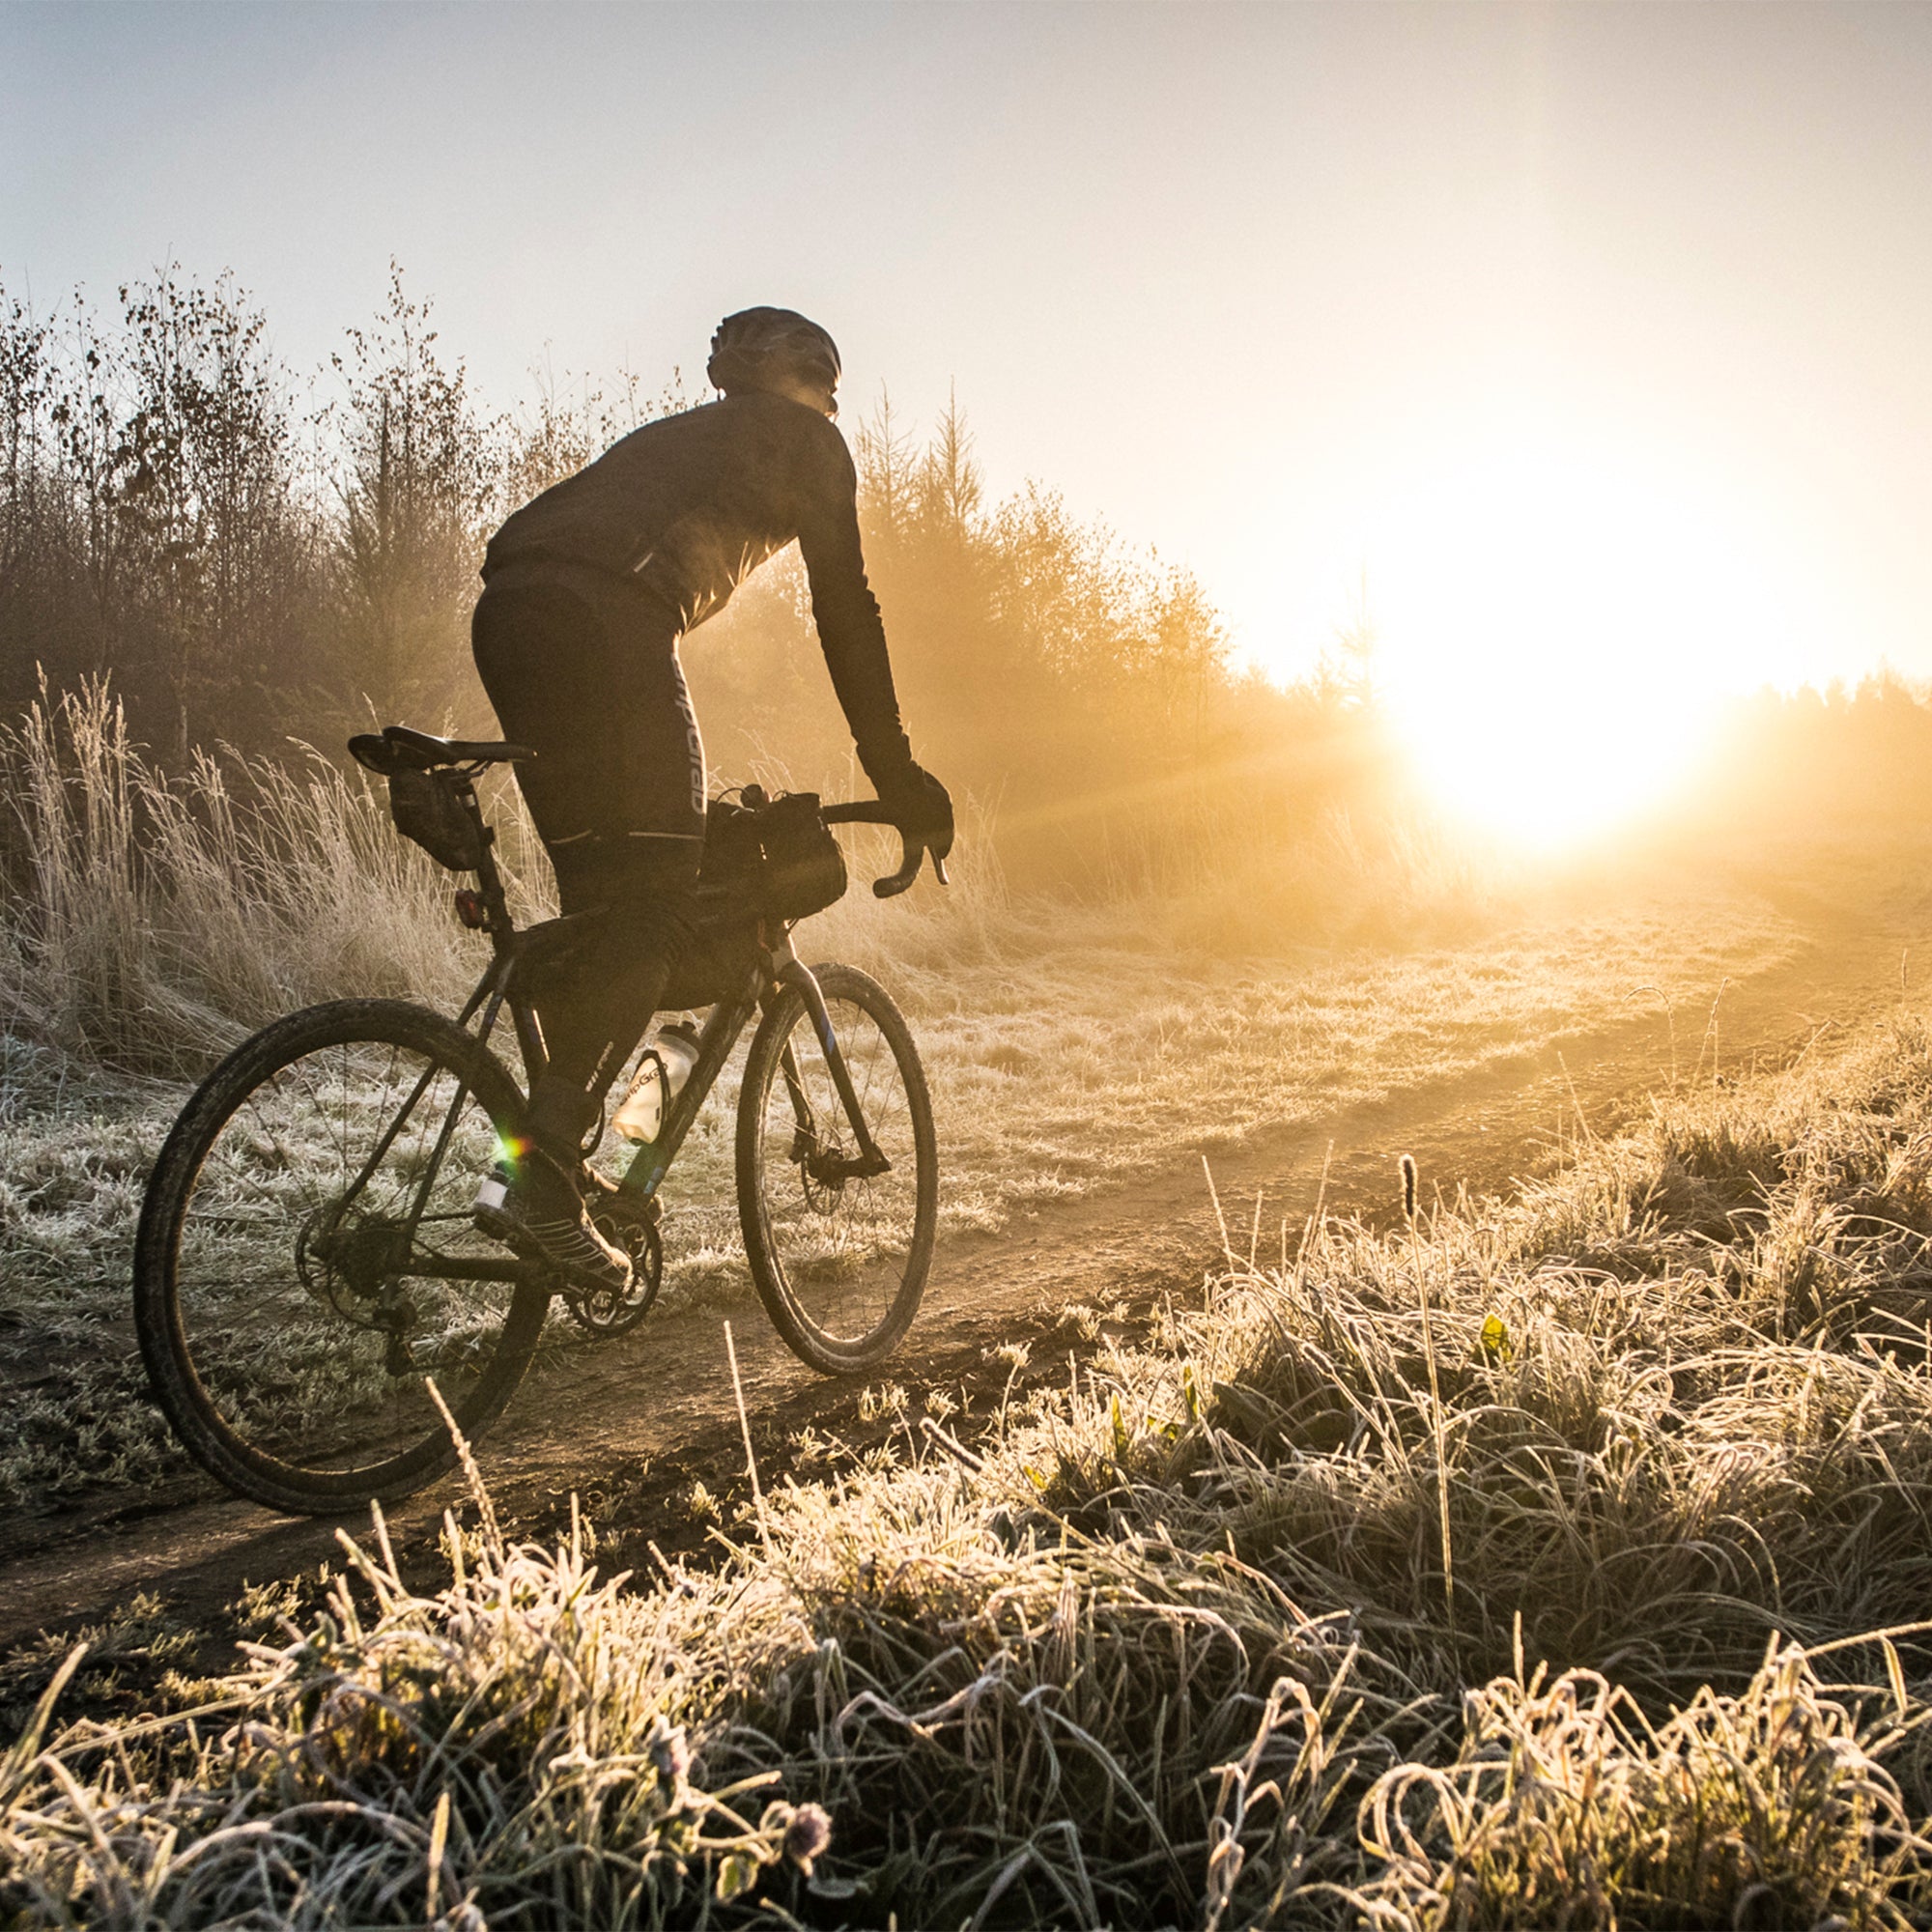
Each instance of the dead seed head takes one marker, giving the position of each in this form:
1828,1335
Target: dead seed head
806,1835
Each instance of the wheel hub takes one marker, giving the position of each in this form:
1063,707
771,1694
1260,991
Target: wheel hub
361,1257
825,1167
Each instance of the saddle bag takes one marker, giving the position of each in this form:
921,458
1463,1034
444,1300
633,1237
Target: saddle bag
426,809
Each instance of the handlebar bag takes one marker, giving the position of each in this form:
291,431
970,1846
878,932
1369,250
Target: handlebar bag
780,858
426,809
804,870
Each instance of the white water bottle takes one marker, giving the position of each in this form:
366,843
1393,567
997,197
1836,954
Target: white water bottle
660,1077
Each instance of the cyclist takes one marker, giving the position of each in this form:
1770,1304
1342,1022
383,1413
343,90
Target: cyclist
586,592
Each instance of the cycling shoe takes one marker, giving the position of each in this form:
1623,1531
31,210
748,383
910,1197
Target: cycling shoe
535,1207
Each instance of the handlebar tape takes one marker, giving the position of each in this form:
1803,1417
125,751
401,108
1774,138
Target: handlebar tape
913,848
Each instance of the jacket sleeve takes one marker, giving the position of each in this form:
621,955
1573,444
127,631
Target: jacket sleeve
850,631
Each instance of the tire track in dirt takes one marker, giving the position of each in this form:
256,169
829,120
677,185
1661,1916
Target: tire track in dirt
633,1425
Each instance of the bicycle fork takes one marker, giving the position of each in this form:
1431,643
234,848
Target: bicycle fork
795,973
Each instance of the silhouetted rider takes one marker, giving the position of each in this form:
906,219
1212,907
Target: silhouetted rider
586,592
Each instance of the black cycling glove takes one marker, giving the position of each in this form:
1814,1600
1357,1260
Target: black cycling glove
921,808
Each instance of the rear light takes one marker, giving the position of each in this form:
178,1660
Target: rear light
471,911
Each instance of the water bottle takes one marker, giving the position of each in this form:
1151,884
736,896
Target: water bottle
677,1050
661,1075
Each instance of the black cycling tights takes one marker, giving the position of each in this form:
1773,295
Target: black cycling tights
590,681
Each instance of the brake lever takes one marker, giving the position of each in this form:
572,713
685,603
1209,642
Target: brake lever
912,849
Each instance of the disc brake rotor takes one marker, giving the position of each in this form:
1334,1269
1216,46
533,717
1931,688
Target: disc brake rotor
822,1170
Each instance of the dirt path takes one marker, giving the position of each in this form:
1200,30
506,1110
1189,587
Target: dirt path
631,1428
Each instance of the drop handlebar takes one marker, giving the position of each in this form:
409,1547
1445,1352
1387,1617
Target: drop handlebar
913,847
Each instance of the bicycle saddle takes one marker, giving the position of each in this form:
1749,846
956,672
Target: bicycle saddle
400,748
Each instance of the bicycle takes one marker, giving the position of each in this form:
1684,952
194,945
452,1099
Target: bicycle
307,1260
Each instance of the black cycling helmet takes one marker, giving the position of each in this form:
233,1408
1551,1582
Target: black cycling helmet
759,344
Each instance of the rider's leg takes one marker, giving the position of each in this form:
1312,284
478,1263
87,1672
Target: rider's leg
595,1006
589,679
587,675
593,1016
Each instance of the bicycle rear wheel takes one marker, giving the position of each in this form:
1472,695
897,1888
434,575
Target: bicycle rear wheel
839,1258
305,1257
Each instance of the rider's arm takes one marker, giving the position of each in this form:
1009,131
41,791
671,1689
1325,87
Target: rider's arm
850,631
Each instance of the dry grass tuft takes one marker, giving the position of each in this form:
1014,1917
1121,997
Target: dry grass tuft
152,921
510,1750
1567,1807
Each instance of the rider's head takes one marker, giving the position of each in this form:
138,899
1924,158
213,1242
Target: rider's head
778,351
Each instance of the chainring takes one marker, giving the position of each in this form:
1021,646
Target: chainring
604,1313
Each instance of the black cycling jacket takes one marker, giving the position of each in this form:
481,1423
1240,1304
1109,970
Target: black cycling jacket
686,509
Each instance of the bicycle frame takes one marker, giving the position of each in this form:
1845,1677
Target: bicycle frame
779,967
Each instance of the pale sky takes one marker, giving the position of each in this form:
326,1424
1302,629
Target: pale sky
1609,327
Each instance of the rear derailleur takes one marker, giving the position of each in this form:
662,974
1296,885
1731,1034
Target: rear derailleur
354,1264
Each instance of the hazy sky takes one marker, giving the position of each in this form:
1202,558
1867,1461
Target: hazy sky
1613,324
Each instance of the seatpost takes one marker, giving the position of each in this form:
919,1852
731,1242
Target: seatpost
490,993
488,879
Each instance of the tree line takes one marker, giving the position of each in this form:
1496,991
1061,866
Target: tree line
244,553
253,558
1858,756
256,559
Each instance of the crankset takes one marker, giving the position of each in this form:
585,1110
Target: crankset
603,1312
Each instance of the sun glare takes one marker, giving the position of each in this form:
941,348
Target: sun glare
1555,631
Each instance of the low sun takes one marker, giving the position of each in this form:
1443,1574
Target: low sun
1554,632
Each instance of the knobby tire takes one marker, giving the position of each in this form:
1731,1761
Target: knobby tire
839,1270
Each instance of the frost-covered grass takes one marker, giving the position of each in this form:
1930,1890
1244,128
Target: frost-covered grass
1554,1562
1052,1073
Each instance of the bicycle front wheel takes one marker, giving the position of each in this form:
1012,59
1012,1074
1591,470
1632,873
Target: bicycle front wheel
838,1247
305,1262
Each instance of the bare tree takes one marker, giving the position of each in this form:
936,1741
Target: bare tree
950,482
417,489
887,473
212,549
